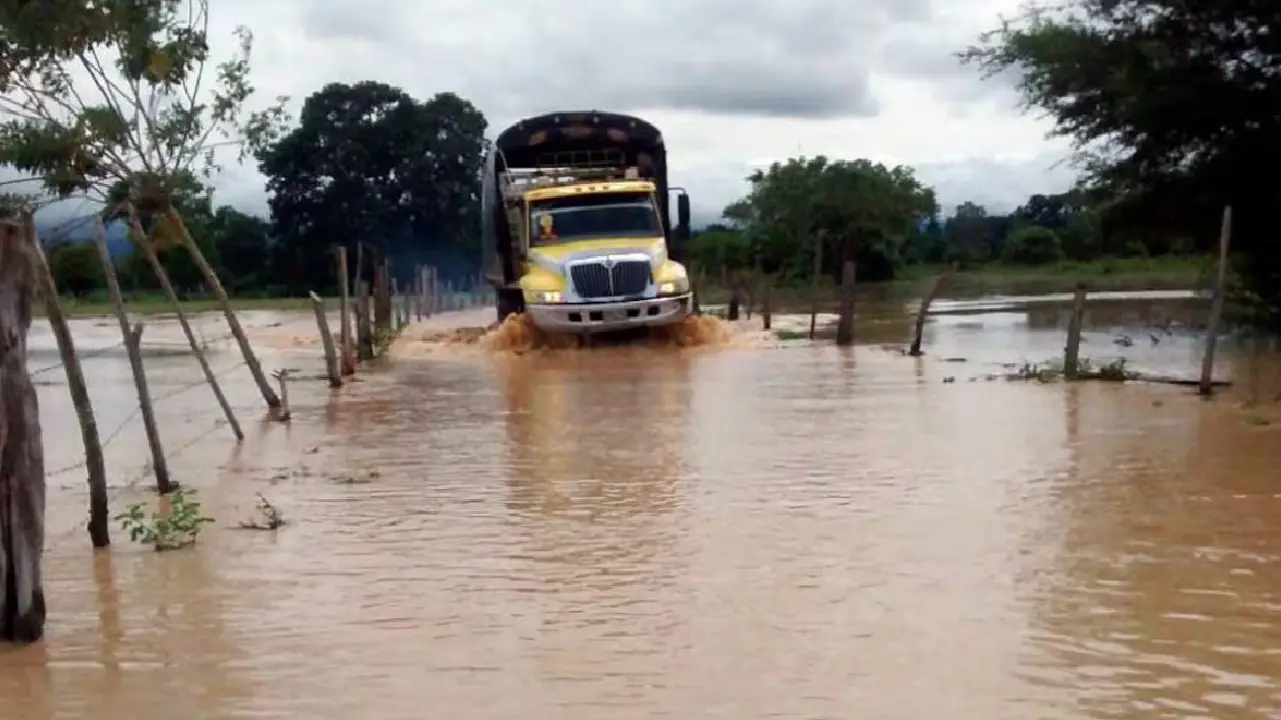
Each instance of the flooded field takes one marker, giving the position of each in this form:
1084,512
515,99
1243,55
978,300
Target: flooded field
726,526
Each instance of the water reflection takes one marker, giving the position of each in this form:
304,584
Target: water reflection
599,434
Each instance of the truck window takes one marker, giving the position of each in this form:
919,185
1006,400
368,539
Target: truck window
584,217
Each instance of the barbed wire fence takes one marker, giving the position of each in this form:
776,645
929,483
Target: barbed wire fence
137,475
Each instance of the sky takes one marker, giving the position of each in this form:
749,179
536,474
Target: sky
733,84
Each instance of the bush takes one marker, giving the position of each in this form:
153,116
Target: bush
76,268
1033,245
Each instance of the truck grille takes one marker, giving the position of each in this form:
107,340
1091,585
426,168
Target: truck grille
594,280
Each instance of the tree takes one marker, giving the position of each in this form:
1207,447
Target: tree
1032,245
861,208
369,163
76,268
1174,109
969,235
243,243
141,119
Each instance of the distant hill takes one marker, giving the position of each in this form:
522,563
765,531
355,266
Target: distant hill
54,232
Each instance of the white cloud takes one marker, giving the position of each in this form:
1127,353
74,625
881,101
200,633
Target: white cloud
732,83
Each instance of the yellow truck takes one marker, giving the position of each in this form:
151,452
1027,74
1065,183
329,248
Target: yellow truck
576,228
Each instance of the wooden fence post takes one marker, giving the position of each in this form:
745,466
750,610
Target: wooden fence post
344,312
22,481
817,282
282,377
95,463
1072,351
845,323
327,341
133,348
364,329
1206,386
923,312
142,245
767,308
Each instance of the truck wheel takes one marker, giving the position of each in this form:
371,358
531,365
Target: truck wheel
510,302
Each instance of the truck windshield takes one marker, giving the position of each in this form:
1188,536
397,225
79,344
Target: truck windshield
584,217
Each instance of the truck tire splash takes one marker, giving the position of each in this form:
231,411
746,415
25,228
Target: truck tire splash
517,334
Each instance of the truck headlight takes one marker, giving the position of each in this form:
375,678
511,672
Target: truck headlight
678,286
546,296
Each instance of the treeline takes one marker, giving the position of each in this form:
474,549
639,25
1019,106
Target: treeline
1176,108
886,219
366,163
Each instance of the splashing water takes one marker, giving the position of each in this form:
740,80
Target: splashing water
518,334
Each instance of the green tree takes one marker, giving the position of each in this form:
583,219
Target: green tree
862,210
244,248
369,163
1175,108
76,268
1032,245
969,235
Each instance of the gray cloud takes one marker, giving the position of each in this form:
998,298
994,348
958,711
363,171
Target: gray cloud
800,59
755,62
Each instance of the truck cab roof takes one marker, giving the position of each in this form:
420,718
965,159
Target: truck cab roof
532,142
587,187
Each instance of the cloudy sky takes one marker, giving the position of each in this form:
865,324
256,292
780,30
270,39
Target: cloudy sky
734,84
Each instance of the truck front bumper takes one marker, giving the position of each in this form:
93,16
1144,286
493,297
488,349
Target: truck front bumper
607,317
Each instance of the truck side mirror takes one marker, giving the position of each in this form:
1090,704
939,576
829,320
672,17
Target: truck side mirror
682,215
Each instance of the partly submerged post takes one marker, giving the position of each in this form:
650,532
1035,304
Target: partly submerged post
1206,386
95,463
845,321
327,341
344,312
817,282
1072,351
22,483
767,307
923,312
364,329
142,245
282,377
133,349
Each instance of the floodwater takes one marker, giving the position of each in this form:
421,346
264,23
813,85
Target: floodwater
738,528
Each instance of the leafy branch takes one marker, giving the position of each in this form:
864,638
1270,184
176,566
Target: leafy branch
93,94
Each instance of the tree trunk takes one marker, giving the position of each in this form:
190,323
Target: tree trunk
22,485
95,464
142,245
211,277
158,464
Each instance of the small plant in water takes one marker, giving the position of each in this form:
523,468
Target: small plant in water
266,516
177,528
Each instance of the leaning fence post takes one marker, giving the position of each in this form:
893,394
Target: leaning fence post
95,463
1206,386
327,341
133,348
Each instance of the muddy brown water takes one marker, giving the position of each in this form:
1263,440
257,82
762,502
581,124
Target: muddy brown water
745,529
